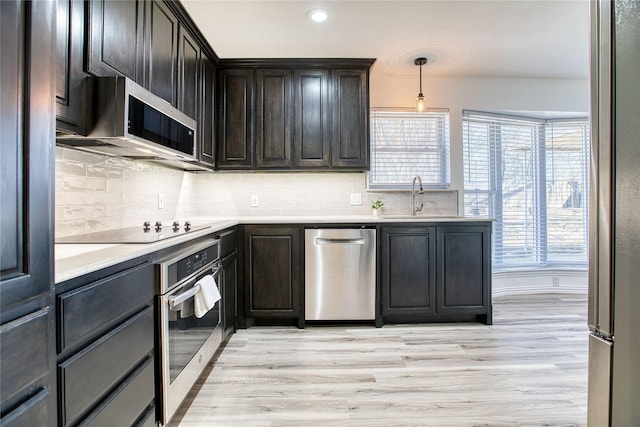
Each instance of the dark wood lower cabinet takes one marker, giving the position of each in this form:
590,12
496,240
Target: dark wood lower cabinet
229,293
408,272
272,272
105,334
435,273
229,279
464,271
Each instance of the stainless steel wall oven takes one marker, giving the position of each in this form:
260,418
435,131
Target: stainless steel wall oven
186,341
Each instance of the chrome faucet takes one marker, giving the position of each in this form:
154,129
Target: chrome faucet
414,210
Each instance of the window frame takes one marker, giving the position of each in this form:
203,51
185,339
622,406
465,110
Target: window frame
540,146
443,147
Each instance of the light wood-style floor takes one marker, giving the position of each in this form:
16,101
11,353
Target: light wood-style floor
528,369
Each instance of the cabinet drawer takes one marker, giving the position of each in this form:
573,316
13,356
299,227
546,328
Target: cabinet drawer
95,308
228,242
85,377
129,401
23,355
34,412
149,418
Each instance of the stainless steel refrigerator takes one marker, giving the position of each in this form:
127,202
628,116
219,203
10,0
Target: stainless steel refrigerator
614,258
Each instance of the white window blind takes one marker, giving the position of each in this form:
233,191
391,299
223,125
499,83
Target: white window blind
406,144
567,187
530,175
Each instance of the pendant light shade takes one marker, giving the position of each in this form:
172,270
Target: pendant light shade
420,104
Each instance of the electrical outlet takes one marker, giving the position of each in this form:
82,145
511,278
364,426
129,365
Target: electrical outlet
160,201
254,201
356,199
555,281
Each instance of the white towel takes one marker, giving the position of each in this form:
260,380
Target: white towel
186,308
207,296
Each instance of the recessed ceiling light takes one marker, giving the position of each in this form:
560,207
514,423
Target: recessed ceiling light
317,15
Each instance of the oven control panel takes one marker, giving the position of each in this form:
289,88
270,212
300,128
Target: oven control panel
183,267
194,262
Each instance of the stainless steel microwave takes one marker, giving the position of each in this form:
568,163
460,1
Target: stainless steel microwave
125,119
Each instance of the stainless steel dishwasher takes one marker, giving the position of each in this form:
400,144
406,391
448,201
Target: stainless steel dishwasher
340,274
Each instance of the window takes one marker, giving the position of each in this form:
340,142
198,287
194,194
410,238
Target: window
406,144
531,175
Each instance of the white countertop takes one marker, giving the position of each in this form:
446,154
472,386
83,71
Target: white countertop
74,260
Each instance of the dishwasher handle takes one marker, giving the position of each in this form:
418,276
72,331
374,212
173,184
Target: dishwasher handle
339,241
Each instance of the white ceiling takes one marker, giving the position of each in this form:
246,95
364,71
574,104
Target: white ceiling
490,38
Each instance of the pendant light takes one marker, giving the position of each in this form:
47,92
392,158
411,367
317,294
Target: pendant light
420,104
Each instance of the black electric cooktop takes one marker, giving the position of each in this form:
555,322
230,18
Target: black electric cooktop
147,233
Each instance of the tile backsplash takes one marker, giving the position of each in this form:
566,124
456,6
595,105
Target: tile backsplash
97,192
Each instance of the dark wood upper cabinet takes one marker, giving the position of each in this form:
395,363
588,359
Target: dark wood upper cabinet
115,38
161,50
235,117
273,107
312,132
350,142
188,73
207,119
309,114
70,74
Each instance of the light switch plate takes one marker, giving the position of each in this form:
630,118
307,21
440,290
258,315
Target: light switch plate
356,199
254,201
160,201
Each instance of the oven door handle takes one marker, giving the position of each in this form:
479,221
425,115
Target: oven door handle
182,297
176,300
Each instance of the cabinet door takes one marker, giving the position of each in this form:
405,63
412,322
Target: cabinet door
114,42
161,50
188,67
311,132
207,112
70,98
464,270
408,272
235,117
350,142
273,118
28,40
272,271
229,292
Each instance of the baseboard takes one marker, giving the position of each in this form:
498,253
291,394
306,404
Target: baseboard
572,281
